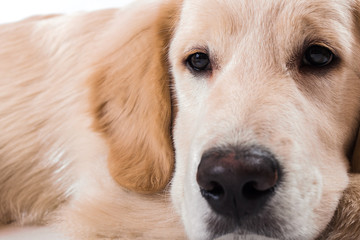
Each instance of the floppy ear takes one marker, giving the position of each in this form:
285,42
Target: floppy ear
131,96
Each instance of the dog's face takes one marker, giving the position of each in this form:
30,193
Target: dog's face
267,95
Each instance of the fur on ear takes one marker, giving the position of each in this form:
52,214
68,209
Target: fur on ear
131,96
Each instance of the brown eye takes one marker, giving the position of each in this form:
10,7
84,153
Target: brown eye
198,62
318,56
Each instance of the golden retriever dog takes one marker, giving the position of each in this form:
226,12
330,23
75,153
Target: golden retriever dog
232,118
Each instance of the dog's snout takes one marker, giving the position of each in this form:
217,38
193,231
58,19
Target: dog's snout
238,181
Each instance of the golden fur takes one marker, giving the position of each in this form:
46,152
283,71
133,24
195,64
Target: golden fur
93,105
64,94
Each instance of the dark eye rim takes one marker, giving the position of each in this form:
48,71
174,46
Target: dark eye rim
306,63
195,69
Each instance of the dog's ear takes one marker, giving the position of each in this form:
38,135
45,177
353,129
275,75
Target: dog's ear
131,96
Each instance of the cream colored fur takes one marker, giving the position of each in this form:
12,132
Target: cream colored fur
258,95
53,162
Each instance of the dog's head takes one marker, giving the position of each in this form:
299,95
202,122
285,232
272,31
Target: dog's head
267,99
268,102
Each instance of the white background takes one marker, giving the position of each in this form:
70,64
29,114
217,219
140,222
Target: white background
13,10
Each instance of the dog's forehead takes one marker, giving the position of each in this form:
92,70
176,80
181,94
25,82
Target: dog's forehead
235,26
242,15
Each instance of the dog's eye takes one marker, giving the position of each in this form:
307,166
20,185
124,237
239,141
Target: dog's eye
198,62
318,56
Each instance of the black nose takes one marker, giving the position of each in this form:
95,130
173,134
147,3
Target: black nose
237,181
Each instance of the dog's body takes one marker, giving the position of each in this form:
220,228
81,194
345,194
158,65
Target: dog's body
49,148
85,116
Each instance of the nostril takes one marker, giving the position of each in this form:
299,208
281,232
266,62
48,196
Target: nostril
262,184
251,192
214,191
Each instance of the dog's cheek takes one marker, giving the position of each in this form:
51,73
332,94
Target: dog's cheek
332,172
335,180
185,192
182,134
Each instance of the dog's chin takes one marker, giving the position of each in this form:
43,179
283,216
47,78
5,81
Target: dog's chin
251,227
